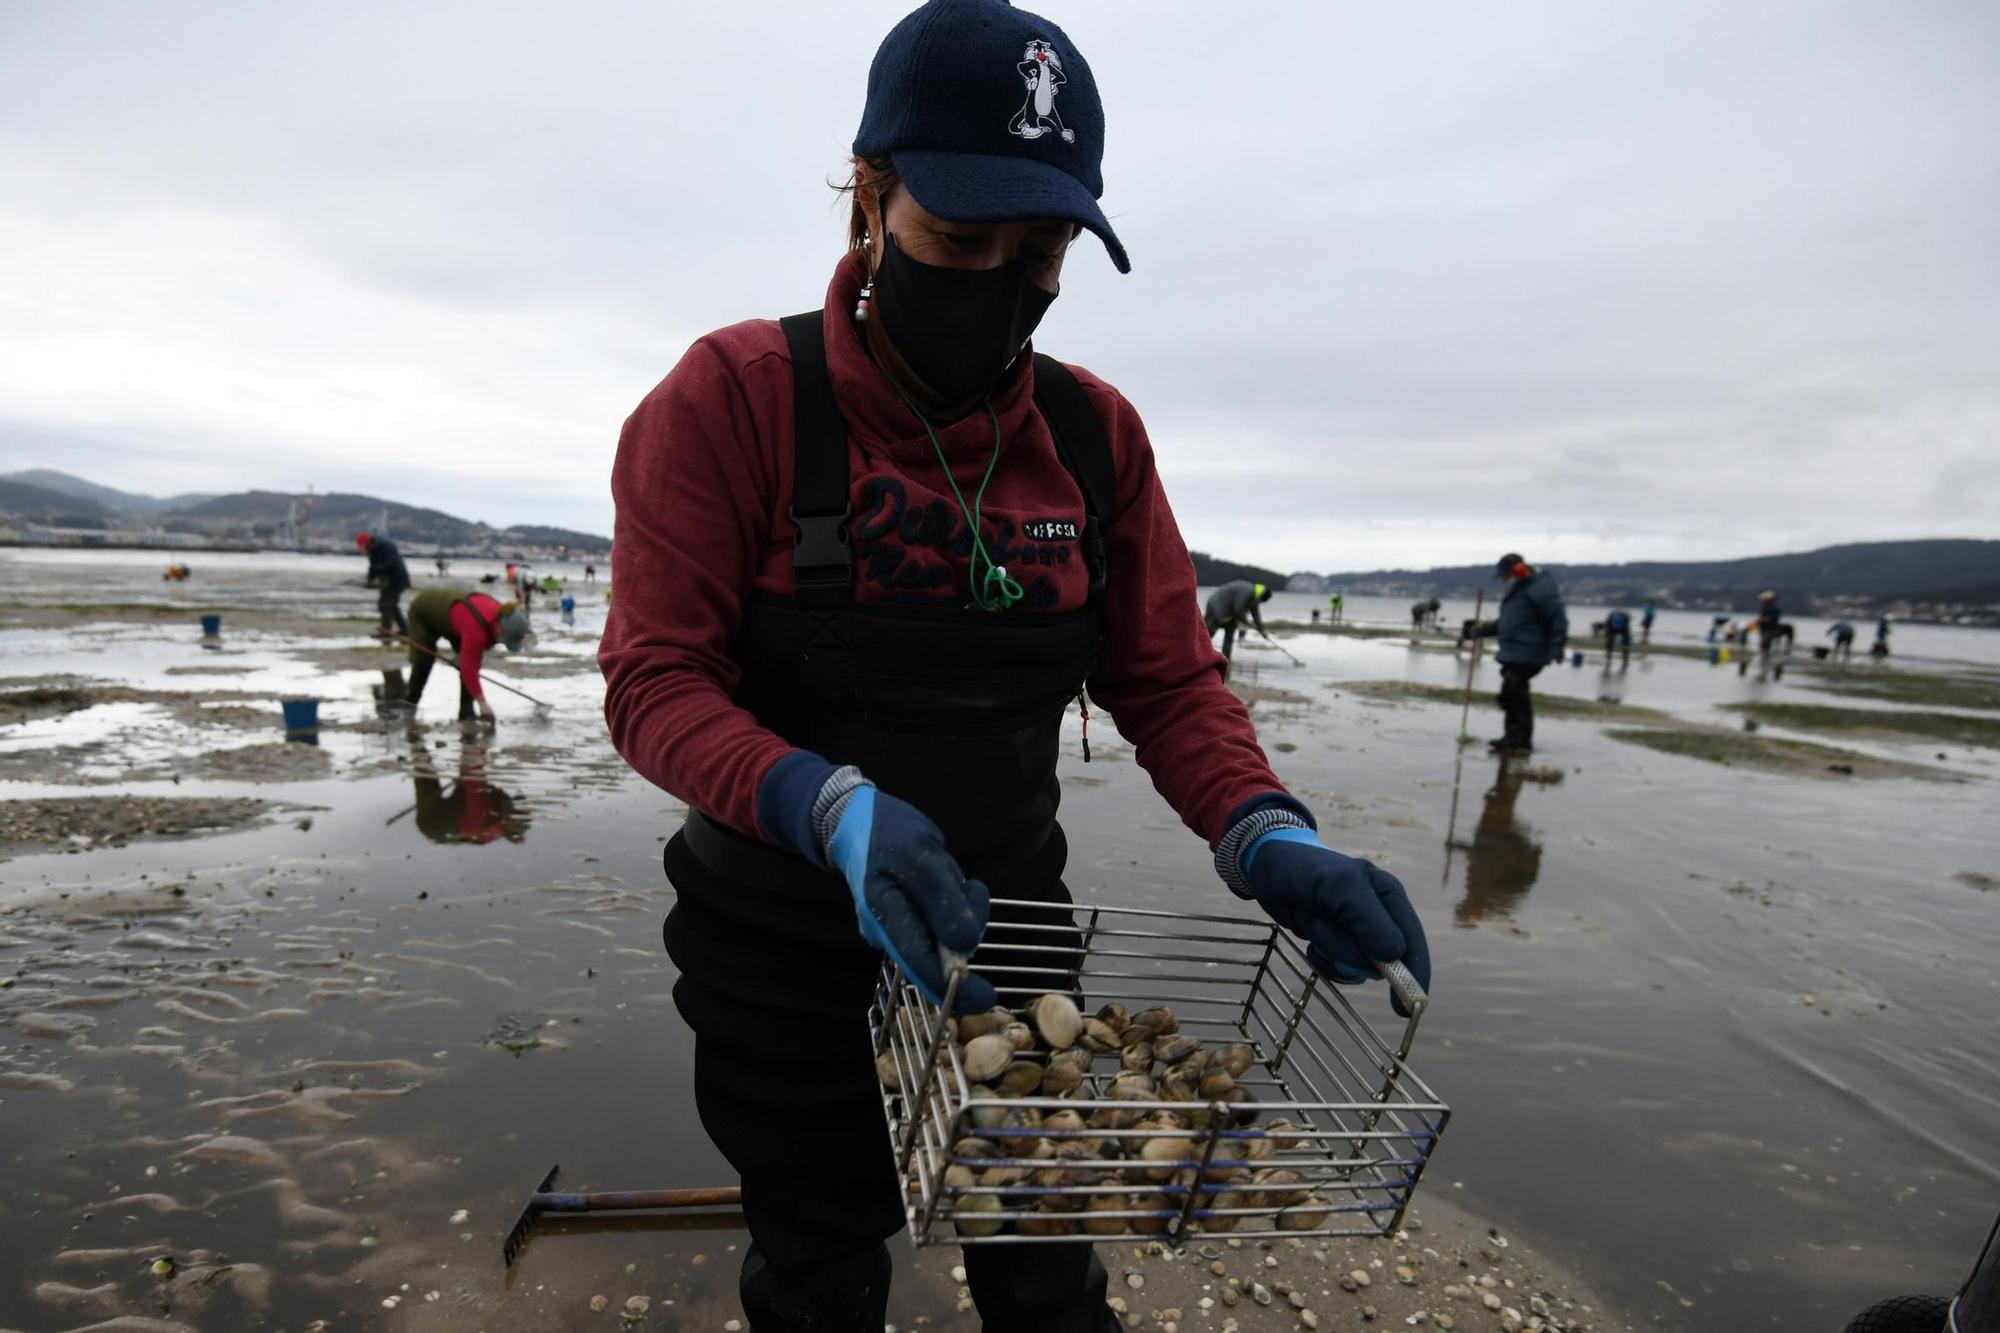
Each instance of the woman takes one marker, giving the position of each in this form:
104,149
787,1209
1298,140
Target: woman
472,623
871,554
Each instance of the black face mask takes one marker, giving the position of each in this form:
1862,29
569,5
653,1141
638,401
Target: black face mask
957,328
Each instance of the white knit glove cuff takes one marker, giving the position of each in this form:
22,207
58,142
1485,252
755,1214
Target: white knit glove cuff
1229,852
831,804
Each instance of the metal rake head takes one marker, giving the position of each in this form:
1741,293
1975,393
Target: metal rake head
517,1238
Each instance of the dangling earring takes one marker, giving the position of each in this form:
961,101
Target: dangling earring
861,304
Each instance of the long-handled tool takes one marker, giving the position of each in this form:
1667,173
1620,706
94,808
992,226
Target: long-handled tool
1281,648
546,1199
452,662
1465,713
1451,823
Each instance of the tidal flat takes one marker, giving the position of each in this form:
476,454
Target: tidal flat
314,1019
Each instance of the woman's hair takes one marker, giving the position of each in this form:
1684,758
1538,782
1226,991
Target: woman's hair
882,176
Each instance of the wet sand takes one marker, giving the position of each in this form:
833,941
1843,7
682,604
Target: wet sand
1715,1037
77,823
1445,1268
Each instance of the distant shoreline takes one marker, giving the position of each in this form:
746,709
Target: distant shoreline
239,549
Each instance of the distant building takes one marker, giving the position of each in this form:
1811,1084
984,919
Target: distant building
39,534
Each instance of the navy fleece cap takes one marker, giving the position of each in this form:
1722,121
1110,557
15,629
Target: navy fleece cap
991,115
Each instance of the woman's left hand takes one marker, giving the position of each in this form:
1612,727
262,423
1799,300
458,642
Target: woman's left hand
1352,913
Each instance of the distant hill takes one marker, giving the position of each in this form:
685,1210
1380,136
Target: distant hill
338,515
534,534
356,513
1210,572
43,495
1941,573
25,503
124,502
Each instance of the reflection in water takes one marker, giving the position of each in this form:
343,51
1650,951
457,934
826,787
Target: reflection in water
1501,860
474,810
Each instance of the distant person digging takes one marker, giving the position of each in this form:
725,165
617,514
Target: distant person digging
1843,640
1774,638
1228,607
1424,615
471,623
1533,630
386,571
522,577
1618,637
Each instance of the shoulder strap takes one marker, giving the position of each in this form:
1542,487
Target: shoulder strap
492,626
1084,449
822,560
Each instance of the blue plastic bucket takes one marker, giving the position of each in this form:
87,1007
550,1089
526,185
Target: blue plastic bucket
301,714
211,625
1576,659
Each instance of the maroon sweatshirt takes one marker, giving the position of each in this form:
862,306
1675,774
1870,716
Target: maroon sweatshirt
703,483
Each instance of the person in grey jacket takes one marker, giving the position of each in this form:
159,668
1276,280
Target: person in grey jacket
1228,607
1533,630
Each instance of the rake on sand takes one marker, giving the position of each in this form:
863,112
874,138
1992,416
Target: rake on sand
547,1199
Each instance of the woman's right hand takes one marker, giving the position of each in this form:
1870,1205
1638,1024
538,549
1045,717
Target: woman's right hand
910,897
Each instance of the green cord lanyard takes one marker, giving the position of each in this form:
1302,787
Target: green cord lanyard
993,589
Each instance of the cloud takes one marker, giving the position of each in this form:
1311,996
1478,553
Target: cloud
1410,286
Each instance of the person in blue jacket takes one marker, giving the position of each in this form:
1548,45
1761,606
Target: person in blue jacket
1533,629
1618,637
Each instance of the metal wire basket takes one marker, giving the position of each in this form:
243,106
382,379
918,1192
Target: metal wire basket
1329,1137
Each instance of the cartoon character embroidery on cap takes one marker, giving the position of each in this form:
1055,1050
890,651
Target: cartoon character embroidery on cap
1041,69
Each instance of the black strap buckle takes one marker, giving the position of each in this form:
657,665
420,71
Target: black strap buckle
822,545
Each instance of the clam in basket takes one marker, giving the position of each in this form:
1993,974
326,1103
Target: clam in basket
1207,1081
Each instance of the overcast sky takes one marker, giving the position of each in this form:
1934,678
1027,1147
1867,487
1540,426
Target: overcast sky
1411,284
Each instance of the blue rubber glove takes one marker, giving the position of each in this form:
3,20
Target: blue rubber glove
1350,912
910,897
